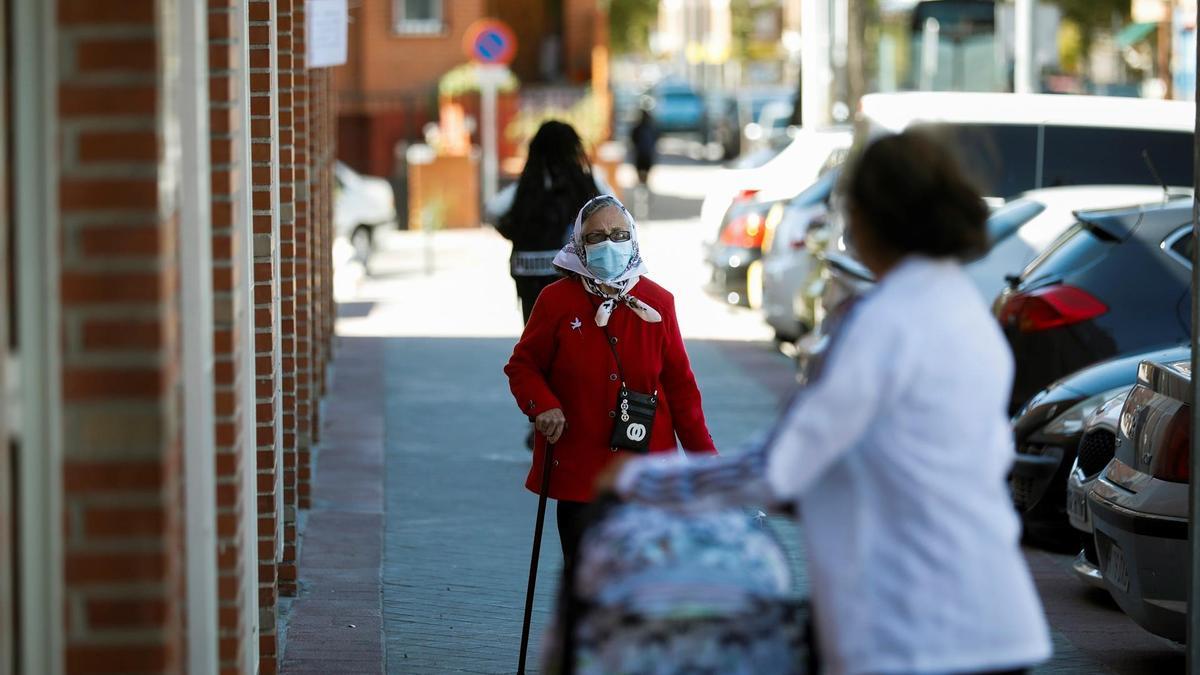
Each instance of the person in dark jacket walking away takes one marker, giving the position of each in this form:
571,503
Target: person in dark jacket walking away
644,138
556,182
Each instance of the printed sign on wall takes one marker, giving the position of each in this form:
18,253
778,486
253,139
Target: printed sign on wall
327,24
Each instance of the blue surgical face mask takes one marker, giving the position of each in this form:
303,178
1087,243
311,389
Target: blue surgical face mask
608,259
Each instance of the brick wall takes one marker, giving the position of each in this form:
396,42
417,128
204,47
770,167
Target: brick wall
227,33
287,300
301,102
264,127
124,579
122,535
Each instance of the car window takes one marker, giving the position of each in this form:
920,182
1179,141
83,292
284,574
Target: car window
1000,158
1183,247
1100,156
1074,249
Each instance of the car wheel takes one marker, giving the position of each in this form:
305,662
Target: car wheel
361,240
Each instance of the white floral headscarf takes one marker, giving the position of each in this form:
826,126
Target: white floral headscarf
573,258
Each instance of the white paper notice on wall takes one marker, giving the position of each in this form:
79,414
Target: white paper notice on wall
327,24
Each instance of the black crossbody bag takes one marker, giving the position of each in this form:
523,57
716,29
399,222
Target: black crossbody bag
634,414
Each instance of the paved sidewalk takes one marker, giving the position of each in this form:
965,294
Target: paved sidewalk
459,523
336,623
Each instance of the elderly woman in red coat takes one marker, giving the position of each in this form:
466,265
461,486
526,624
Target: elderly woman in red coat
603,330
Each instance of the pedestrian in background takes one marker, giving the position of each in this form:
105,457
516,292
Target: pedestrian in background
896,453
644,138
597,342
535,215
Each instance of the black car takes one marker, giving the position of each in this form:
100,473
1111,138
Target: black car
1115,283
1048,431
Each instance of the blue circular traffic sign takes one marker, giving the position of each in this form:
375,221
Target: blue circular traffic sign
490,41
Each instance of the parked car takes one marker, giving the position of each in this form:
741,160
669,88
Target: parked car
1012,143
361,204
1139,504
1075,304
783,175
730,114
1097,447
1048,432
738,247
787,262
1057,207
678,109
771,123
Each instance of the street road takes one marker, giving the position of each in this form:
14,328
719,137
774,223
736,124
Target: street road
458,522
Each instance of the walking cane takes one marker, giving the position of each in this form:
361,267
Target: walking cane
547,463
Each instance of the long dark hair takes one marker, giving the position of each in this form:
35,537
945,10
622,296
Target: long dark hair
555,183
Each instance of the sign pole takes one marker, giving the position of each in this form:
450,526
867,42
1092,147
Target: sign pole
492,45
489,77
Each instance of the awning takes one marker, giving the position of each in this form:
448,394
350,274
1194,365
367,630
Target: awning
1134,33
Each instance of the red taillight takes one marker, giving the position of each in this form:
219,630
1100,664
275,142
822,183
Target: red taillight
745,231
1173,458
1050,307
745,195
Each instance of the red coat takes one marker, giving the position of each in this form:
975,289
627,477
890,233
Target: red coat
563,361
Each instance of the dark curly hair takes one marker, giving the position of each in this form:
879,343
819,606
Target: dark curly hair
913,194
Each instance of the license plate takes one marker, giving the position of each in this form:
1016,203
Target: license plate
1115,571
1077,508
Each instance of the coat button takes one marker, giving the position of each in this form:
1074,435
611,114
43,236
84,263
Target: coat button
556,462
613,449
612,340
613,377
612,413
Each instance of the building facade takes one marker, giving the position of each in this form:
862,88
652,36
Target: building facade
167,284
400,49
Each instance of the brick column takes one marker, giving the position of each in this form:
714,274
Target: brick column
227,66
287,257
264,129
329,120
122,444
304,268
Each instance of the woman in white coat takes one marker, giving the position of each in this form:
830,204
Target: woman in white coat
896,453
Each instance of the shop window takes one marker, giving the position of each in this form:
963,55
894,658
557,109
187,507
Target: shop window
419,17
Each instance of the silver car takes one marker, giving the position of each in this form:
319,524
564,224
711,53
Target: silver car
788,262
1139,505
1097,446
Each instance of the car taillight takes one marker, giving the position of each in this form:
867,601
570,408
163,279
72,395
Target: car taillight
1050,307
744,231
1173,458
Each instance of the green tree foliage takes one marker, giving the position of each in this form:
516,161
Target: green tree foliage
630,23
